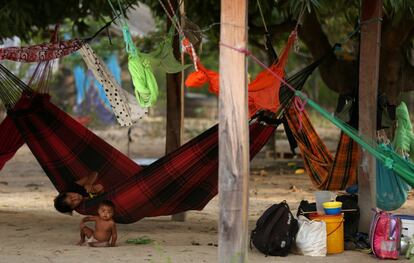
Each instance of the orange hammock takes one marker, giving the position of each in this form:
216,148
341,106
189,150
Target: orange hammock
327,172
263,90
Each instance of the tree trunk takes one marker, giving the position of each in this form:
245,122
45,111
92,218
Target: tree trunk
396,71
175,110
394,64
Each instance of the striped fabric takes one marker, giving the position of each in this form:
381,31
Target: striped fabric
325,171
185,179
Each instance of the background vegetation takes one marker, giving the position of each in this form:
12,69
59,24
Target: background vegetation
323,23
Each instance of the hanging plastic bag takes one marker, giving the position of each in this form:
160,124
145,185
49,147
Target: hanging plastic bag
311,238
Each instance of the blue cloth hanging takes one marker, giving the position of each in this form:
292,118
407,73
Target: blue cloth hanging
81,84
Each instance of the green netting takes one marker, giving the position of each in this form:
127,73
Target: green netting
389,158
163,57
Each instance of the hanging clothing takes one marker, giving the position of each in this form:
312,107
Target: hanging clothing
126,111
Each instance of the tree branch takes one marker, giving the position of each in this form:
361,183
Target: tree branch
340,76
275,30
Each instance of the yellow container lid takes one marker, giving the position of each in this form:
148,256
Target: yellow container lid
332,204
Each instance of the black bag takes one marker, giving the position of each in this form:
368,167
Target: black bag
351,218
305,207
275,231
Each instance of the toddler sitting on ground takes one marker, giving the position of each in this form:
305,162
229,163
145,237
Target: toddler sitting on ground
105,229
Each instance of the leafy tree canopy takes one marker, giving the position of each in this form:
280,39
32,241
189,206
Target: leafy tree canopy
323,23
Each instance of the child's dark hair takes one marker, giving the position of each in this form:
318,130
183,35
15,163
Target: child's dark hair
107,203
61,205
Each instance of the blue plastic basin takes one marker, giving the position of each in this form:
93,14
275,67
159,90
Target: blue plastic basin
332,211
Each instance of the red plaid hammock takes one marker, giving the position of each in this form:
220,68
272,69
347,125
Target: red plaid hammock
185,179
10,140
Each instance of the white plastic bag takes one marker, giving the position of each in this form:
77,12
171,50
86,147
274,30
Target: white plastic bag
311,237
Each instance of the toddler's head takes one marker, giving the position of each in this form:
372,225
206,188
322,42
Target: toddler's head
106,210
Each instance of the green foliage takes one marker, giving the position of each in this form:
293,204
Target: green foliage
30,18
33,19
399,9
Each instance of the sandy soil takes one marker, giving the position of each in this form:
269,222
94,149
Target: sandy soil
31,231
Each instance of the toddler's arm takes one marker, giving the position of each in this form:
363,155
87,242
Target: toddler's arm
114,235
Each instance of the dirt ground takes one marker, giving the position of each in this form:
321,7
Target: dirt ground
31,231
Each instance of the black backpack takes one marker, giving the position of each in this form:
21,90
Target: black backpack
275,231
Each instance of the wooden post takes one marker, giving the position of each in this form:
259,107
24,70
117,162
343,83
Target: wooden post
233,135
371,13
175,106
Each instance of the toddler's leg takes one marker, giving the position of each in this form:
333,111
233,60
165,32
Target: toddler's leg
85,232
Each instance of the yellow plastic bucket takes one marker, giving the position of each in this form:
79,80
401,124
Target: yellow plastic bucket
334,231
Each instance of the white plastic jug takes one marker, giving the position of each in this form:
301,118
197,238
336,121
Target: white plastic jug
322,197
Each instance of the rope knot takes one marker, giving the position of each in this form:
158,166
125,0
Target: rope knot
389,163
244,51
146,63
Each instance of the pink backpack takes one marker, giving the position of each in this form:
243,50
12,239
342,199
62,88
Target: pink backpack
385,235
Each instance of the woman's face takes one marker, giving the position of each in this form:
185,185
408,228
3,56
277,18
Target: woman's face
73,199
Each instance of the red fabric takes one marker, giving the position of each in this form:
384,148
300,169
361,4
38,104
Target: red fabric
203,76
10,141
66,150
263,90
42,52
185,179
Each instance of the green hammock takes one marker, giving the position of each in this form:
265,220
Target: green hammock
387,157
146,88
163,57
145,85
404,137
392,191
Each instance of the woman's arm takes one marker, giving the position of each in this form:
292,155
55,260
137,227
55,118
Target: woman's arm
86,219
88,180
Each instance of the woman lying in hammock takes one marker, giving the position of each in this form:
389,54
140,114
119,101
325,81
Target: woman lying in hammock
83,188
